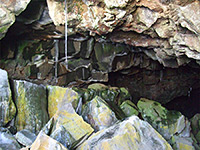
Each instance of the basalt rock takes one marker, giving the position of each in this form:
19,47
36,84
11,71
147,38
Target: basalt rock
166,27
8,10
129,134
7,105
172,125
31,105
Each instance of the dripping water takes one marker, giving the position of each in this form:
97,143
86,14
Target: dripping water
56,41
66,11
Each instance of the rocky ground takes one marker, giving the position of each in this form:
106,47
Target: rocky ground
96,117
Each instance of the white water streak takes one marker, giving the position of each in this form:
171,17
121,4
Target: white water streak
66,11
56,41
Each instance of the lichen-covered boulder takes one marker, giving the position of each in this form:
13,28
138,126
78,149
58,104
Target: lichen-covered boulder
31,102
66,126
58,94
168,123
8,110
71,121
98,114
8,141
132,133
129,108
44,142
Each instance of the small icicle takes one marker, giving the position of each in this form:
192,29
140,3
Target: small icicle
66,11
189,92
56,41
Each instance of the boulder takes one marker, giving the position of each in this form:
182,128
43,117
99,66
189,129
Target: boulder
8,110
129,108
31,102
58,94
98,114
71,121
195,124
132,133
172,125
8,10
44,142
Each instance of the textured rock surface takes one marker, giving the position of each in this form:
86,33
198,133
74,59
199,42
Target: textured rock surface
8,10
25,137
129,108
31,104
172,125
7,106
166,27
8,141
195,124
44,142
58,94
97,113
129,134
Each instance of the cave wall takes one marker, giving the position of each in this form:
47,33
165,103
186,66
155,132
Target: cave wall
152,48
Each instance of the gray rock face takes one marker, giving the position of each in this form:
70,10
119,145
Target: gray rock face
31,104
128,135
7,107
8,10
25,137
8,142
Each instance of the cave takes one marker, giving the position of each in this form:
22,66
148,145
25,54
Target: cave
138,46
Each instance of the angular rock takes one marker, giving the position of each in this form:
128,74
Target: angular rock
31,104
7,106
58,94
129,108
25,137
195,124
67,118
172,125
183,143
8,141
6,20
63,136
129,134
167,123
44,142
98,114
8,10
